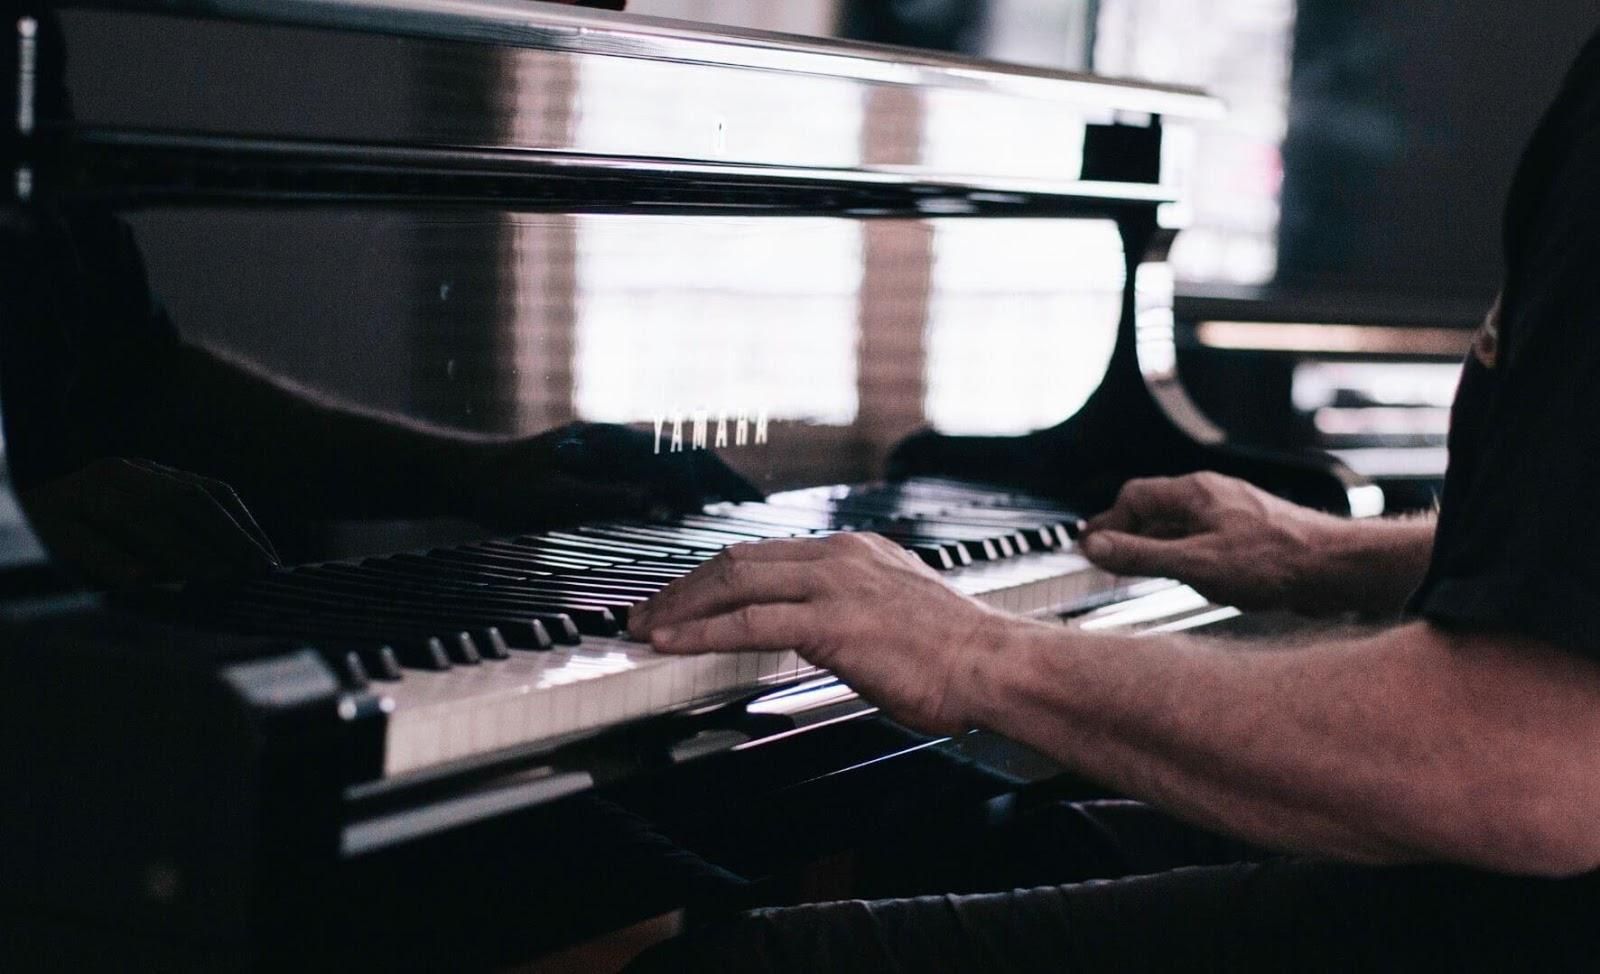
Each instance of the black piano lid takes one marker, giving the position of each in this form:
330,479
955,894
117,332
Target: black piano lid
561,89
319,251
518,23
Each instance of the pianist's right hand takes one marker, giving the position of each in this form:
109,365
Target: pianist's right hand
1238,545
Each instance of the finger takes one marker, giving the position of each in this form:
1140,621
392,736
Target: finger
783,549
761,628
1145,505
1131,554
721,586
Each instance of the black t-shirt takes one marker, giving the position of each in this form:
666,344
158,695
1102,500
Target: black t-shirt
1518,546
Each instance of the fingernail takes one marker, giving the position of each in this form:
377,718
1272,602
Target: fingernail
663,636
1096,545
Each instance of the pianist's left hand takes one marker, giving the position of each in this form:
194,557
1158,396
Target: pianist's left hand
856,604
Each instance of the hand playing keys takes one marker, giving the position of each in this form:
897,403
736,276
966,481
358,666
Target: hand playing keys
856,604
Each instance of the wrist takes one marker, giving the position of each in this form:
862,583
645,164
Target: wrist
1315,586
1368,565
1003,663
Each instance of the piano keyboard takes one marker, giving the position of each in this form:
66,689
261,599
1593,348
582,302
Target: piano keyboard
520,642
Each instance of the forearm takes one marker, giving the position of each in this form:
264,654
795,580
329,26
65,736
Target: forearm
1365,565
1400,747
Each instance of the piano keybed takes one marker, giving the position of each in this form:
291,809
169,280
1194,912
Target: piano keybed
521,642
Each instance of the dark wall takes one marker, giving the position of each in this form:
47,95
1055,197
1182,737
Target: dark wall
1406,123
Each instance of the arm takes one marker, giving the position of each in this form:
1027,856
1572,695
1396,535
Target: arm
1413,744
273,437
1239,545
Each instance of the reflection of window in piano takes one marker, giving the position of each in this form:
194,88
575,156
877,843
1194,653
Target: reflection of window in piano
716,112
1022,318
1239,50
972,132
721,315
813,17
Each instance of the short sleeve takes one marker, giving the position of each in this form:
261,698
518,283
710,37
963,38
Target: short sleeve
1518,547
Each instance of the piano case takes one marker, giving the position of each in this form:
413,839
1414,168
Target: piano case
367,277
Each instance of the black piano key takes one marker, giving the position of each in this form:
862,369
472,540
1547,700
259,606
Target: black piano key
517,591
793,518
587,616
505,564
329,597
417,583
534,549
683,544
522,622
265,613
750,530
353,670
538,561
934,556
382,663
492,643
681,535
960,552
936,524
659,576
423,654
498,561
570,580
462,649
445,568
630,549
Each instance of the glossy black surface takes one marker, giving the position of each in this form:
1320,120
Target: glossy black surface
359,285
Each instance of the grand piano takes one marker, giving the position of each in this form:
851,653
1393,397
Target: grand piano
364,361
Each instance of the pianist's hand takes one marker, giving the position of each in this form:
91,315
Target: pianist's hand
856,604
123,522
1232,542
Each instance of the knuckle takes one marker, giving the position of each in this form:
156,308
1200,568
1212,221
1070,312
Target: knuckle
731,571
851,541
